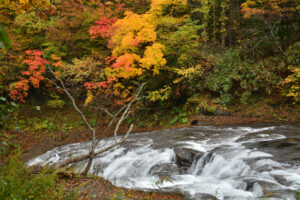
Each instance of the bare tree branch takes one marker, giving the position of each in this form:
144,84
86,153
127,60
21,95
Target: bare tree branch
271,28
125,110
103,109
73,101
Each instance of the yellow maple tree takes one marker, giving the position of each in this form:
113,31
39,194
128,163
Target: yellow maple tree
131,32
136,53
154,58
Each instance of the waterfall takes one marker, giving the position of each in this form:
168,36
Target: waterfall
221,162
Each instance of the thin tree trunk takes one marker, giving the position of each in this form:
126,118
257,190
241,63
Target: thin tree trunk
90,156
223,44
63,87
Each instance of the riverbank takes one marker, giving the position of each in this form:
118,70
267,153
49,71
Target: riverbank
97,188
38,142
37,132
208,158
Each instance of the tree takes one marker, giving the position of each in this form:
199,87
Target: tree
30,77
9,9
274,22
36,73
135,51
214,15
123,112
67,33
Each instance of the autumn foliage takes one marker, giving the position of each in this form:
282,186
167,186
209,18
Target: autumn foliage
32,76
134,49
103,28
181,48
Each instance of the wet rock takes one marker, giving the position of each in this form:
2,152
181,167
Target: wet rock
195,123
282,143
185,157
284,150
204,196
166,169
281,180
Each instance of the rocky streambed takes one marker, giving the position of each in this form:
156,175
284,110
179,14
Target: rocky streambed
206,162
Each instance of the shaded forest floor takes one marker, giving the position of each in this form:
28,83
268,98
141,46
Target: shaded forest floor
36,132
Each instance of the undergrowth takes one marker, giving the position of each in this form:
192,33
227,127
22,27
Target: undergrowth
17,182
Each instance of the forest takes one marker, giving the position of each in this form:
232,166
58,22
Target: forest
79,70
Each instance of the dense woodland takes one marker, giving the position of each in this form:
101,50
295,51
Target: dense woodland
190,54
231,51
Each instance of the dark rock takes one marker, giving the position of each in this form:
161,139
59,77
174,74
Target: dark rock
185,157
282,180
195,122
287,149
281,143
165,169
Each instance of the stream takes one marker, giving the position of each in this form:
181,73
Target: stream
206,162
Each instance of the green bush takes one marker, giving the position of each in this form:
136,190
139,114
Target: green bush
18,183
6,107
236,78
56,104
292,82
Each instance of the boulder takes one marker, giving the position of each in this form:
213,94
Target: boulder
195,122
185,157
165,169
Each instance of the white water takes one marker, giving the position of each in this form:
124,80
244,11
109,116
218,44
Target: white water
232,166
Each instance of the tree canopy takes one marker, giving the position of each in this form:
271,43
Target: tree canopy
235,51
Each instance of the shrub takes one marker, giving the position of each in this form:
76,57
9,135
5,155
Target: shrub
6,107
56,103
17,182
234,77
292,82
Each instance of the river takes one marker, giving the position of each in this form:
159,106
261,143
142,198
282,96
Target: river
205,162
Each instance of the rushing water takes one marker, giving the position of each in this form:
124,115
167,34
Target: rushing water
231,162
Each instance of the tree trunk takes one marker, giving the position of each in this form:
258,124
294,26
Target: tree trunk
91,155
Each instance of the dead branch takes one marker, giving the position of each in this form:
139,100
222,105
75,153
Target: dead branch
63,87
125,110
86,156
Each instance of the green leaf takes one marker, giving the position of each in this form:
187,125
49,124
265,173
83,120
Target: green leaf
38,107
173,121
185,120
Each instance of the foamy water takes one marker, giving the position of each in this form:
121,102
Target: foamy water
241,162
